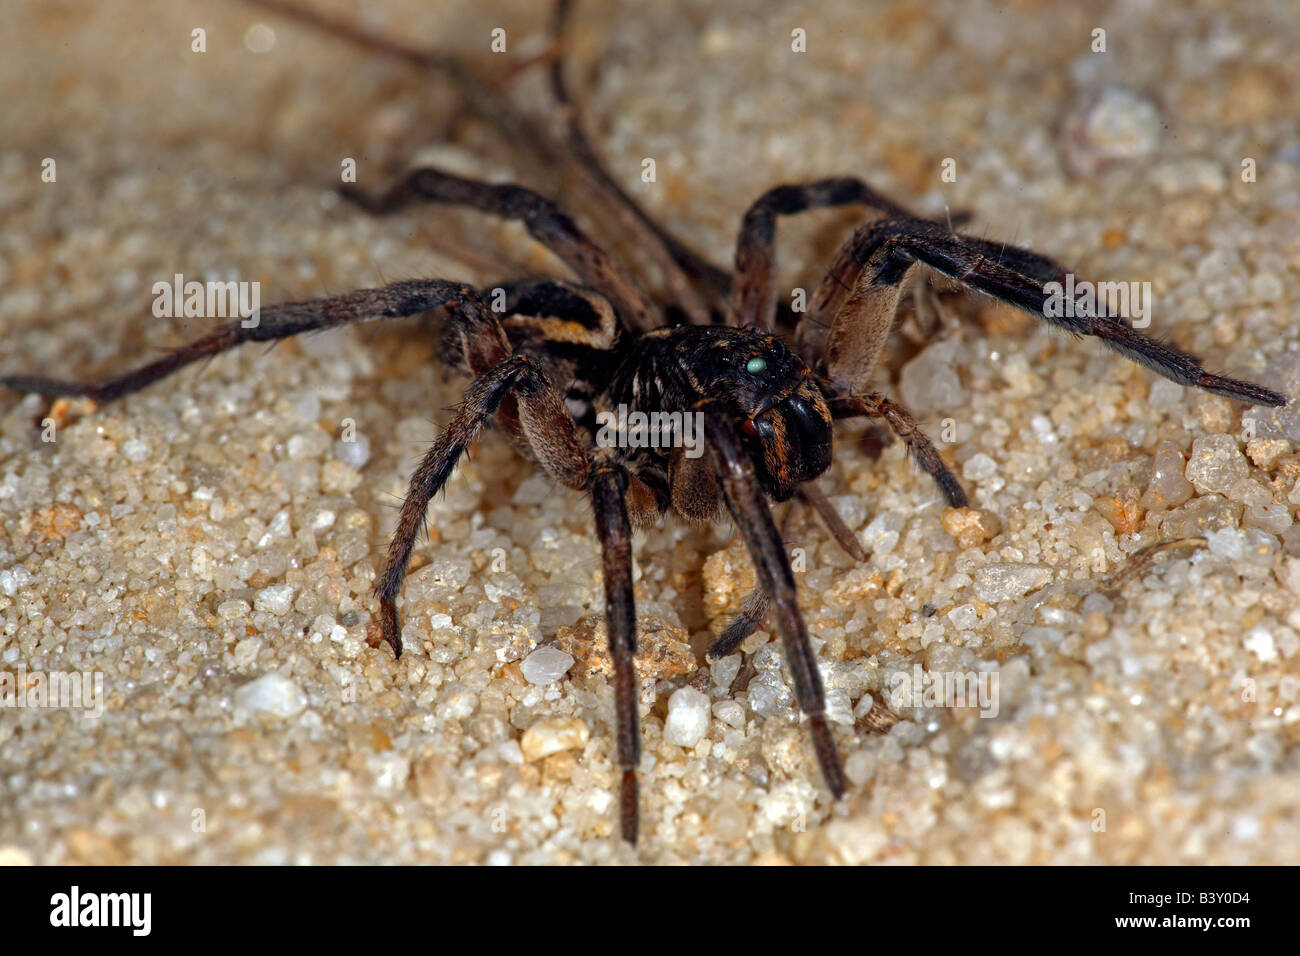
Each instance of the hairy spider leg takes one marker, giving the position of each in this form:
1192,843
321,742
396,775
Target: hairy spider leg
749,508
757,603
281,321
609,484
753,294
545,221
878,258
682,267
485,102
900,421
552,434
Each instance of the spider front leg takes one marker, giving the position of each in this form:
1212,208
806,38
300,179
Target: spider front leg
757,603
881,254
753,294
755,606
609,484
749,508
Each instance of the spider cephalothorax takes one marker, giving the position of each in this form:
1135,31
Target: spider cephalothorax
748,375
560,355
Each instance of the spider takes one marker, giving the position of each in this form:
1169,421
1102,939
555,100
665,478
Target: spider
767,384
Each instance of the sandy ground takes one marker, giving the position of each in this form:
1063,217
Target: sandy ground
207,547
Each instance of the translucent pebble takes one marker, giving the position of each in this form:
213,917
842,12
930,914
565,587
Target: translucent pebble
688,717
545,665
1266,287
1005,581
963,617
1022,379
232,610
1168,487
929,382
979,468
338,478
1201,515
276,599
1275,519
1097,603
135,450
863,707
354,453
246,651
446,571
970,526
730,712
852,508
933,632
456,702
881,535
724,671
1257,551
769,657
1260,643
534,489
1041,639
839,708
1250,492
272,694
510,751
306,406
389,769
1188,174
548,737
1165,394
1215,464
1109,124
280,527
860,767
765,699
1226,543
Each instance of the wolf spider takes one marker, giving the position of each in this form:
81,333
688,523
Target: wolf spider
562,350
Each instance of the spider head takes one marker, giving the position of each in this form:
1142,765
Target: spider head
781,412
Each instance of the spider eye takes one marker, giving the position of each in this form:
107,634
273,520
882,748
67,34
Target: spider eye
756,365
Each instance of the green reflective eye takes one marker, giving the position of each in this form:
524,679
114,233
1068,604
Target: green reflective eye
755,365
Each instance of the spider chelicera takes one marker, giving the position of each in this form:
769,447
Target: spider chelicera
561,352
